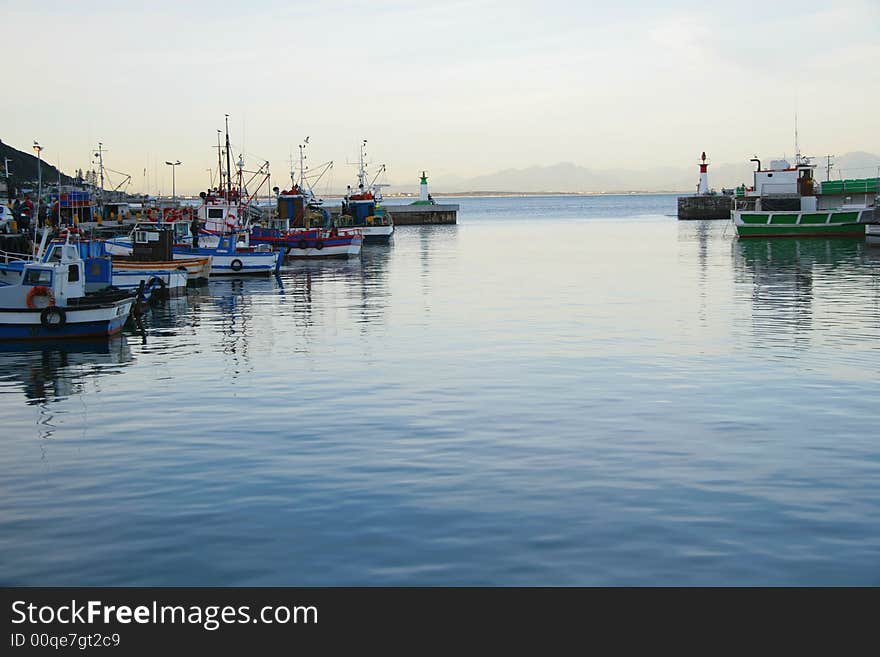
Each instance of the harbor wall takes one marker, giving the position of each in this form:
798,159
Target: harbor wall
715,206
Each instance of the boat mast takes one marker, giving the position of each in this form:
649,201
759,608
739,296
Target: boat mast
228,162
828,167
219,164
361,171
100,155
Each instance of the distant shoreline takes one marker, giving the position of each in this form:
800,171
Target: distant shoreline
507,194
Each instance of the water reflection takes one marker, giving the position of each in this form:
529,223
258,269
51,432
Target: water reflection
51,372
789,279
321,288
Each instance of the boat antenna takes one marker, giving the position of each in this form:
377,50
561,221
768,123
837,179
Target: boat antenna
828,166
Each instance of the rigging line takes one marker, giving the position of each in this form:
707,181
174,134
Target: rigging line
243,151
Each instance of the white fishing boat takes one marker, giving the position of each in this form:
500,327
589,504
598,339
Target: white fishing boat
362,208
785,200
225,216
48,300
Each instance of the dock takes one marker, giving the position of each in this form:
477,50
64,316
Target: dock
708,206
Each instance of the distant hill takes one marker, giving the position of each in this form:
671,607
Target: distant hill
23,168
569,177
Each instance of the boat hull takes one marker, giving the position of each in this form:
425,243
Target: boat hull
310,243
197,270
175,280
376,234
90,322
235,264
345,250
802,224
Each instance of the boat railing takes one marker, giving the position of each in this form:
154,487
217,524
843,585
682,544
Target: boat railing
7,256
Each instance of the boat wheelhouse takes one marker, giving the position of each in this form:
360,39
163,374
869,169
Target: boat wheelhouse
786,201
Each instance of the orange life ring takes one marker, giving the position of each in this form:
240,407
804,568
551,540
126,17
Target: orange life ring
42,291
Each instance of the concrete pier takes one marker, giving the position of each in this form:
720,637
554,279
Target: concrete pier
423,215
710,206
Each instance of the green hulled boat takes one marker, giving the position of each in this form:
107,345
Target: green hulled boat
786,201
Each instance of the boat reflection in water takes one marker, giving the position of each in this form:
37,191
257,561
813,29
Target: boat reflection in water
809,285
53,371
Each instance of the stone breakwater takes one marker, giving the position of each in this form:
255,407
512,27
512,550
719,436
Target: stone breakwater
705,207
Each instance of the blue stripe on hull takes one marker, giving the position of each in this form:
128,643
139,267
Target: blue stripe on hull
72,330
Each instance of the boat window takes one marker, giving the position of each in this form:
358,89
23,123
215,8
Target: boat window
38,277
72,273
215,213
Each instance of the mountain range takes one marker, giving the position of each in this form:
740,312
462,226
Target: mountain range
557,178
569,177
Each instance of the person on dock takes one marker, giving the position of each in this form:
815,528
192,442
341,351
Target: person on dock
194,230
55,215
25,214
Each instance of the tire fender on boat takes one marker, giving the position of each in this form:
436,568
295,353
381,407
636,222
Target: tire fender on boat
302,244
319,244
235,265
53,318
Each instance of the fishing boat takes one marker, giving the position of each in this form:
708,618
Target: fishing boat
101,272
786,201
301,230
150,246
362,208
225,216
48,300
233,256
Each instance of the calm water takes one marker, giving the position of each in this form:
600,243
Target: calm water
556,391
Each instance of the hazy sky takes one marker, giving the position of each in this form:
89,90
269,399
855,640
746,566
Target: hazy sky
456,88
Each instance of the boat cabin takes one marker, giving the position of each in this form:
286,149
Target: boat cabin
75,206
781,187
291,209
62,279
116,212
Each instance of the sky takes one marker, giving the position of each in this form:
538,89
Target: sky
459,89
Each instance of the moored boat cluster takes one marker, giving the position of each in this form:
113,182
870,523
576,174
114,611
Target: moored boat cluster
85,280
